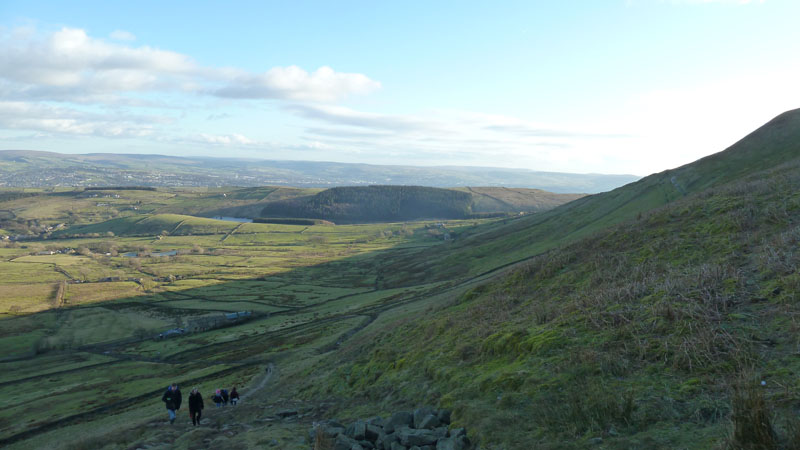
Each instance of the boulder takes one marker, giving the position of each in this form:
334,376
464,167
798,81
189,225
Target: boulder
451,444
385,441
357,431
429,422
410,437
398,419
343,442
397,446
372,432
377,421
332,432
422,413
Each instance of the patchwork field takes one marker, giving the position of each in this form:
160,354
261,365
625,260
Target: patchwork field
82,309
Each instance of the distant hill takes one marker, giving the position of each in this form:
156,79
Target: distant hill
23,168
352,204
375,204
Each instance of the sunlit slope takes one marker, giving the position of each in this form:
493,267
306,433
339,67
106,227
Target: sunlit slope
168,224
652,333
776,142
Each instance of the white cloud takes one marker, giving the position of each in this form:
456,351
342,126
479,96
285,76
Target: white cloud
225,140
446,137
66,121
294,83
346,116
122,35
70,65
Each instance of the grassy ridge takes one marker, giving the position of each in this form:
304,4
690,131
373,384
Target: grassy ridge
773,143
375,204
644,334
353,204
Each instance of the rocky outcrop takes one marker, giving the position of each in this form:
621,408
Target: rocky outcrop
423,429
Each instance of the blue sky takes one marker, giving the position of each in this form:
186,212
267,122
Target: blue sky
604,86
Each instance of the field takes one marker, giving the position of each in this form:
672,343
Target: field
82,309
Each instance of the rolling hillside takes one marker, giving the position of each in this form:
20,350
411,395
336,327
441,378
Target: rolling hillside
774,143
26,168
152,225
656,317
359,204
375,204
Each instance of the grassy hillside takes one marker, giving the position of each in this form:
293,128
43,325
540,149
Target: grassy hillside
375,204
513,200
150,225
398,203
654,333
494,246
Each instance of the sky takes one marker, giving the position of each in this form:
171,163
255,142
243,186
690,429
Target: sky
595,86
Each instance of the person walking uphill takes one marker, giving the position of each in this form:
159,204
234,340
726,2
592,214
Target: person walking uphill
195,406
218,399
172,398
234,396
224,397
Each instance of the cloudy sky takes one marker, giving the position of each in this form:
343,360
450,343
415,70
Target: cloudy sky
602,86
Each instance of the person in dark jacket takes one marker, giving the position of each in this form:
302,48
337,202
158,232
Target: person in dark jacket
218,399
224,397
234,396
195,406
172,399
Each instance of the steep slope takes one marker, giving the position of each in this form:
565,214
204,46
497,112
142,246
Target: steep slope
491,247
513,200
653,333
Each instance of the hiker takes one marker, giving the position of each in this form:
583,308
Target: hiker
234,396
218,399
224,397
195,406
172,399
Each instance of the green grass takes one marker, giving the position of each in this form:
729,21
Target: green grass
641,328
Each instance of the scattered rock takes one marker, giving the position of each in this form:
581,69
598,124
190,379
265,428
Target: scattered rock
424,429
